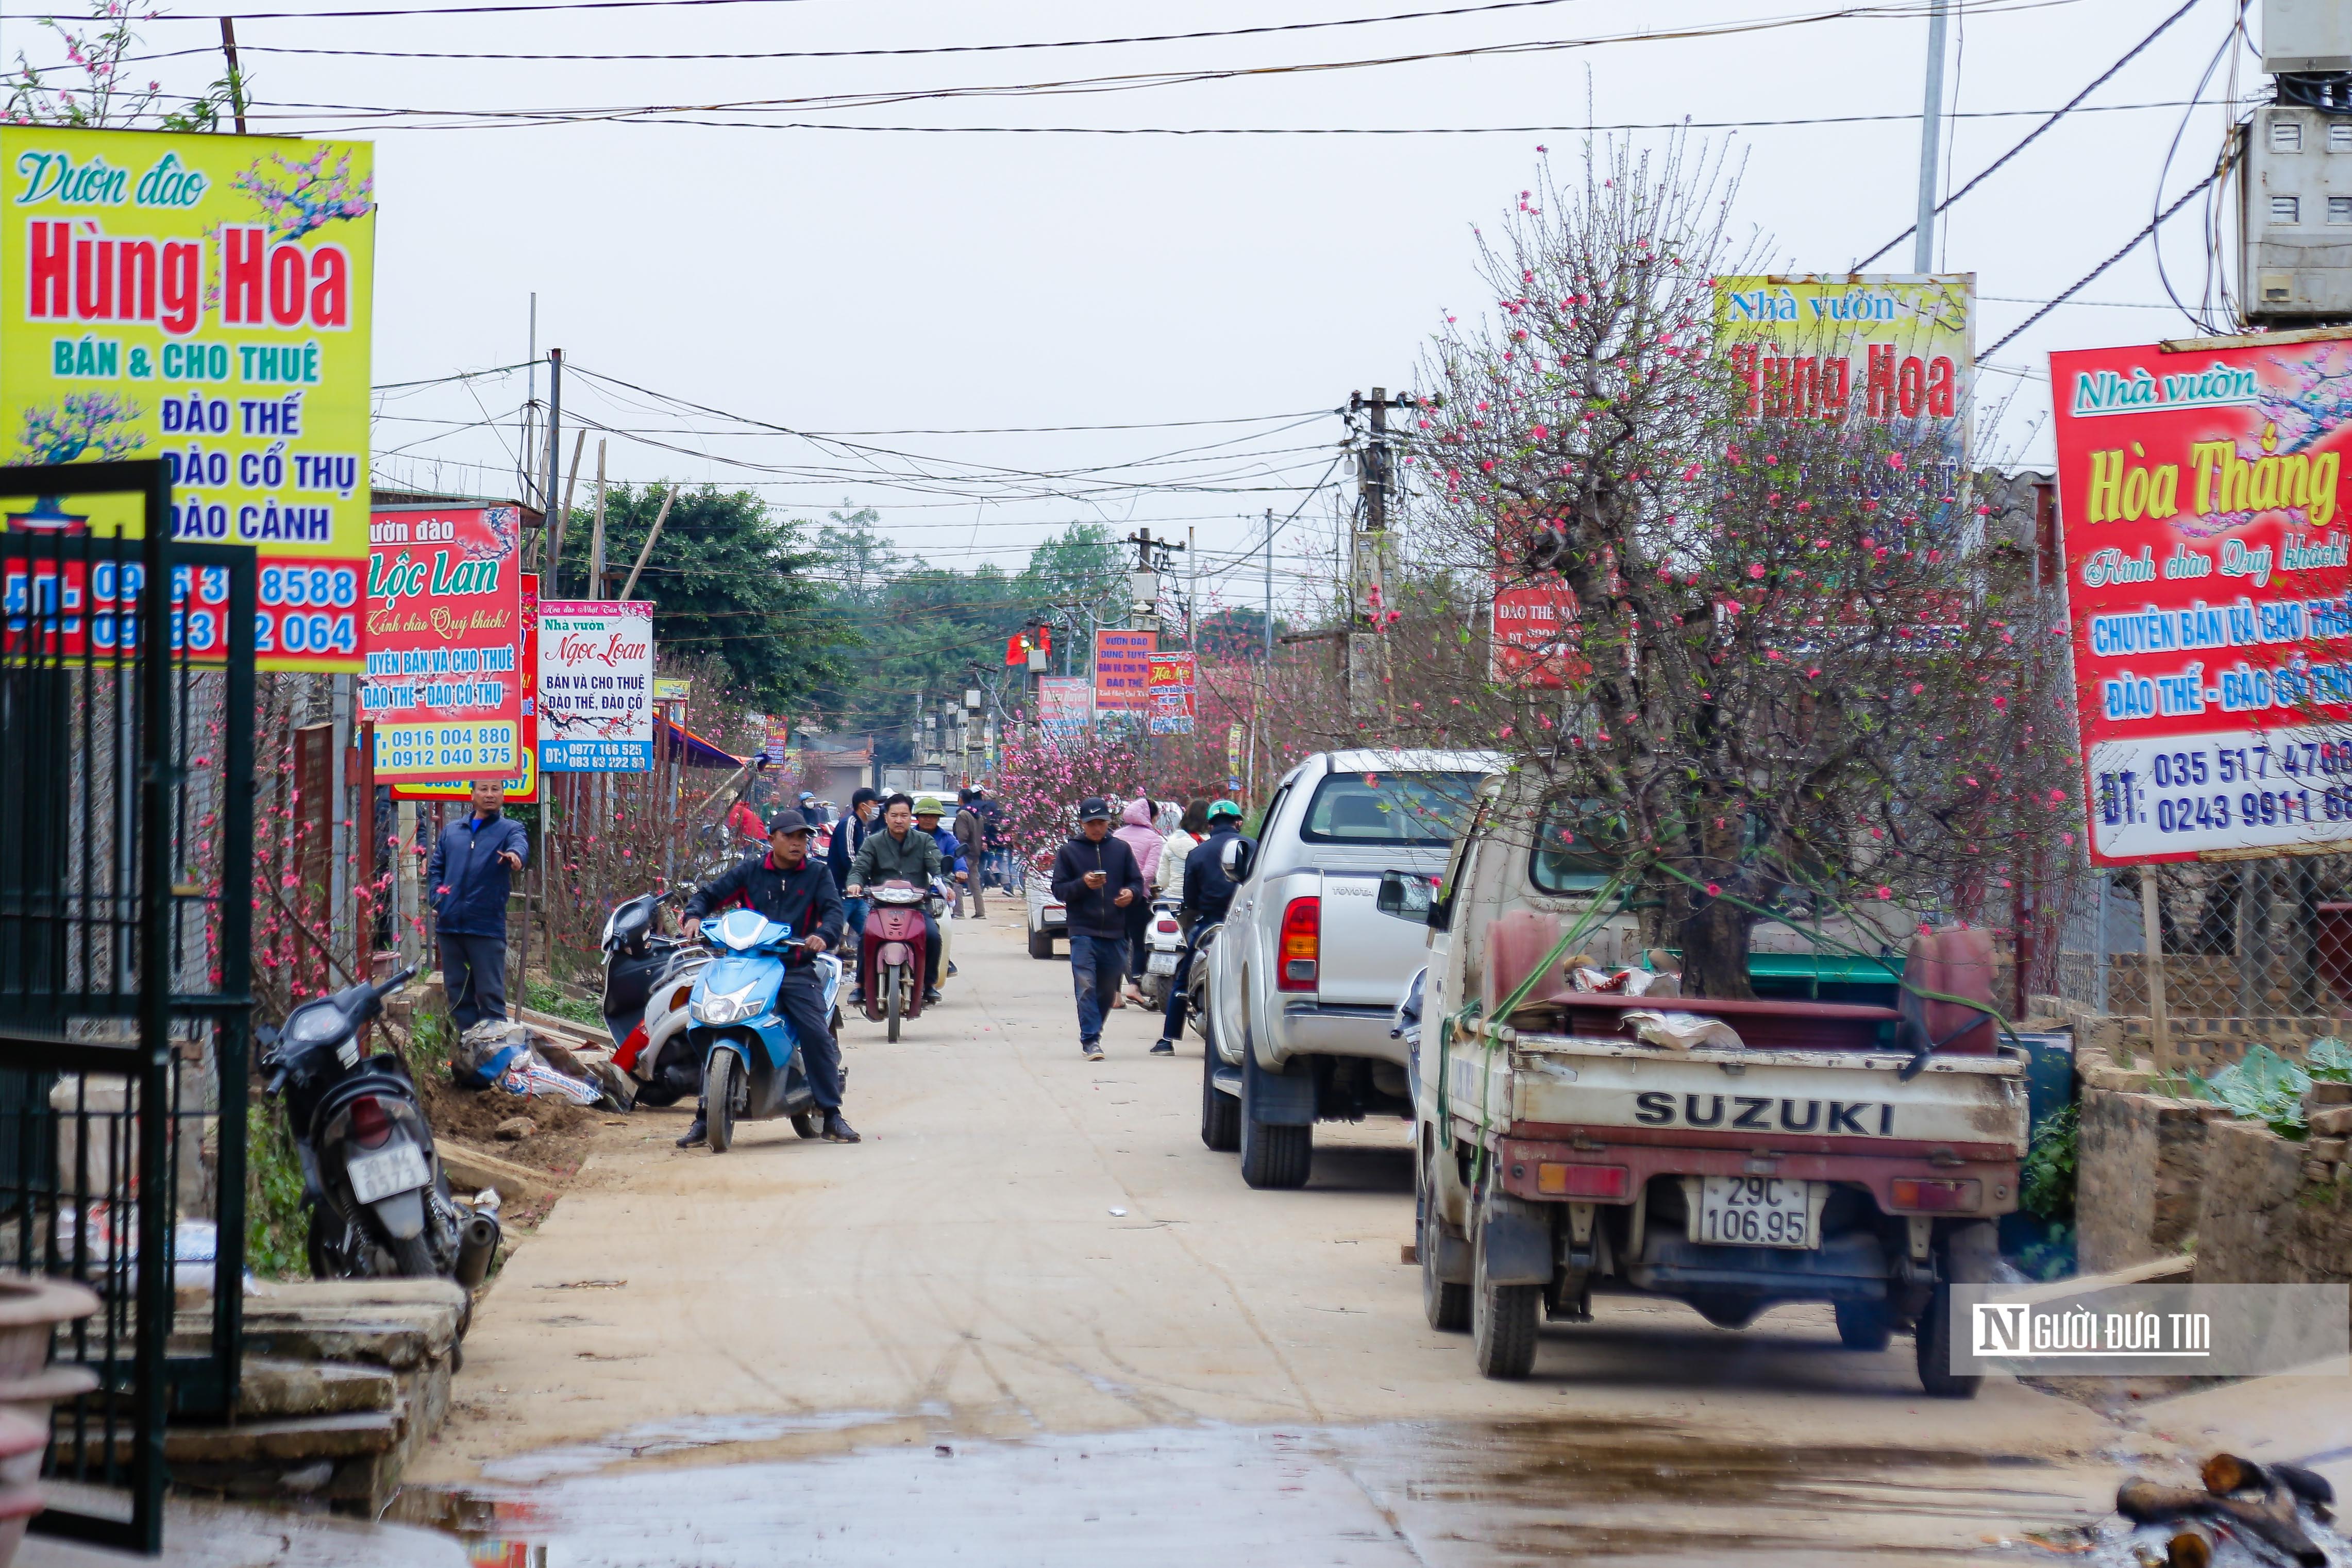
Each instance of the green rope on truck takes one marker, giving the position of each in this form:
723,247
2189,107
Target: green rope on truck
1626,879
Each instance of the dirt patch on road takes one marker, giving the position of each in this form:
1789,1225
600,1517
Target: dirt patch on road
566,1132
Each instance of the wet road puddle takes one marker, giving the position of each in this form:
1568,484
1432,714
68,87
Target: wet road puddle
1409,1495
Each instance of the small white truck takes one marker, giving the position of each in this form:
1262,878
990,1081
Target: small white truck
1811,1151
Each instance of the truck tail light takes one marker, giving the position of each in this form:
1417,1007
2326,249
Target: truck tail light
1922,1193
1582,1181
1302,944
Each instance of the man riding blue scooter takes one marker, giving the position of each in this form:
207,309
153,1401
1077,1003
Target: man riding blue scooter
789,888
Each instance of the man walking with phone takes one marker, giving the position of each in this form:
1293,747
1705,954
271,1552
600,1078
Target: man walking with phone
1096,879
470,872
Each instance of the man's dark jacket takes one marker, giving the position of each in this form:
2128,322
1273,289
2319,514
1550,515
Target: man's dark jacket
1092,910
848,835
1208,891
802,898
468,882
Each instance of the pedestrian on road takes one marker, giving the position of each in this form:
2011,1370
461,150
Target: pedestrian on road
1097,881
971,837
927,812
848,838
470,872
788,887
1145,840
1208,893
900,853
1187,831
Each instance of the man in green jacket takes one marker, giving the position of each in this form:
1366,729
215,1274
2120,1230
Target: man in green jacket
900,853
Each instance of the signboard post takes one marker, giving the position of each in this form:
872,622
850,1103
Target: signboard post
202,299
444,605
596,687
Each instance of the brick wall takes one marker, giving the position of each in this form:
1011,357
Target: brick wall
2272,1212
2140,1168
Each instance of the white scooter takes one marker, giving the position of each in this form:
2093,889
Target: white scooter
1163,944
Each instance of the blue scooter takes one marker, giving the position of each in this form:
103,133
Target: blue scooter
751,1069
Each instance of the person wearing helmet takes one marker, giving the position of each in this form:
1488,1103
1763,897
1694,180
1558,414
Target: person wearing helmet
1208,893
927,812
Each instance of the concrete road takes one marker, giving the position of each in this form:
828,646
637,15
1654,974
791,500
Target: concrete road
1032,1258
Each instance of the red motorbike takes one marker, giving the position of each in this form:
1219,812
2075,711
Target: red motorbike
890,956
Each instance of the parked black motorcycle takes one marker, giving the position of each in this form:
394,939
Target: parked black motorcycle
379,1200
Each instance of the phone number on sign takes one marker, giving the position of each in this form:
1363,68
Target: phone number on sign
2208,788
310,608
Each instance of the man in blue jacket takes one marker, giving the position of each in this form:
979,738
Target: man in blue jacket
471,870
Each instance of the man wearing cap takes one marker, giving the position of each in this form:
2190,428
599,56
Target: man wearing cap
1096,878
791,889
1208,893
971,842
900,853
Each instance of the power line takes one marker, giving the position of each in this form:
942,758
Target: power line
1141,80
2030,136
873,53
1791,122
2128,246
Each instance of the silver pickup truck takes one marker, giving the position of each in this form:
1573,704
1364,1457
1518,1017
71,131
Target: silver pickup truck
1306,972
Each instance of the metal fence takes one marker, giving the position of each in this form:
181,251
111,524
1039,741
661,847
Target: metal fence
126,763
2251,951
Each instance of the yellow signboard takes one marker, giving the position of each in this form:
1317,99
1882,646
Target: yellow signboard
202,300
1887,348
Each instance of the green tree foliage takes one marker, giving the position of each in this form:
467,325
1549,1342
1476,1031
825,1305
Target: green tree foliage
922,629
727,577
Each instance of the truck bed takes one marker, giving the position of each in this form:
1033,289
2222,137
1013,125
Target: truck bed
1502,1081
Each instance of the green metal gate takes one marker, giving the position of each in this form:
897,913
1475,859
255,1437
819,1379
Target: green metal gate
126,826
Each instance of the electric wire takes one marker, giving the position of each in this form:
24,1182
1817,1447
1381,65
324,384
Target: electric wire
2128,246
2032,136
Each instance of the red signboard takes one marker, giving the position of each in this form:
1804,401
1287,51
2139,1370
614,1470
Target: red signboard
1171,690
444,685
1534,641
523,786
2205,546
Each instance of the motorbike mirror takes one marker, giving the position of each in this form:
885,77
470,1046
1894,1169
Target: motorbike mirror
1237,857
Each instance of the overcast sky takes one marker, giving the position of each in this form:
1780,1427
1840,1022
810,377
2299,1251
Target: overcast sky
839,280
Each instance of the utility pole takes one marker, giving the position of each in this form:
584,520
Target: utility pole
596,537
1931,128
1150,559
235,77
1368,658
554,420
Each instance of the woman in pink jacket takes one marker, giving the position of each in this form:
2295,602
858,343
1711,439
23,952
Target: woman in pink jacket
1136,831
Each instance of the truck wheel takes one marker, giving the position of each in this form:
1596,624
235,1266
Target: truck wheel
1041,943
1221,1113
1864,1325
1271,1157
1445,1302
1502,1319
1934,1337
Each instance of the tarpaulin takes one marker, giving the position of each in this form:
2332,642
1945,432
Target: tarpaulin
696,752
